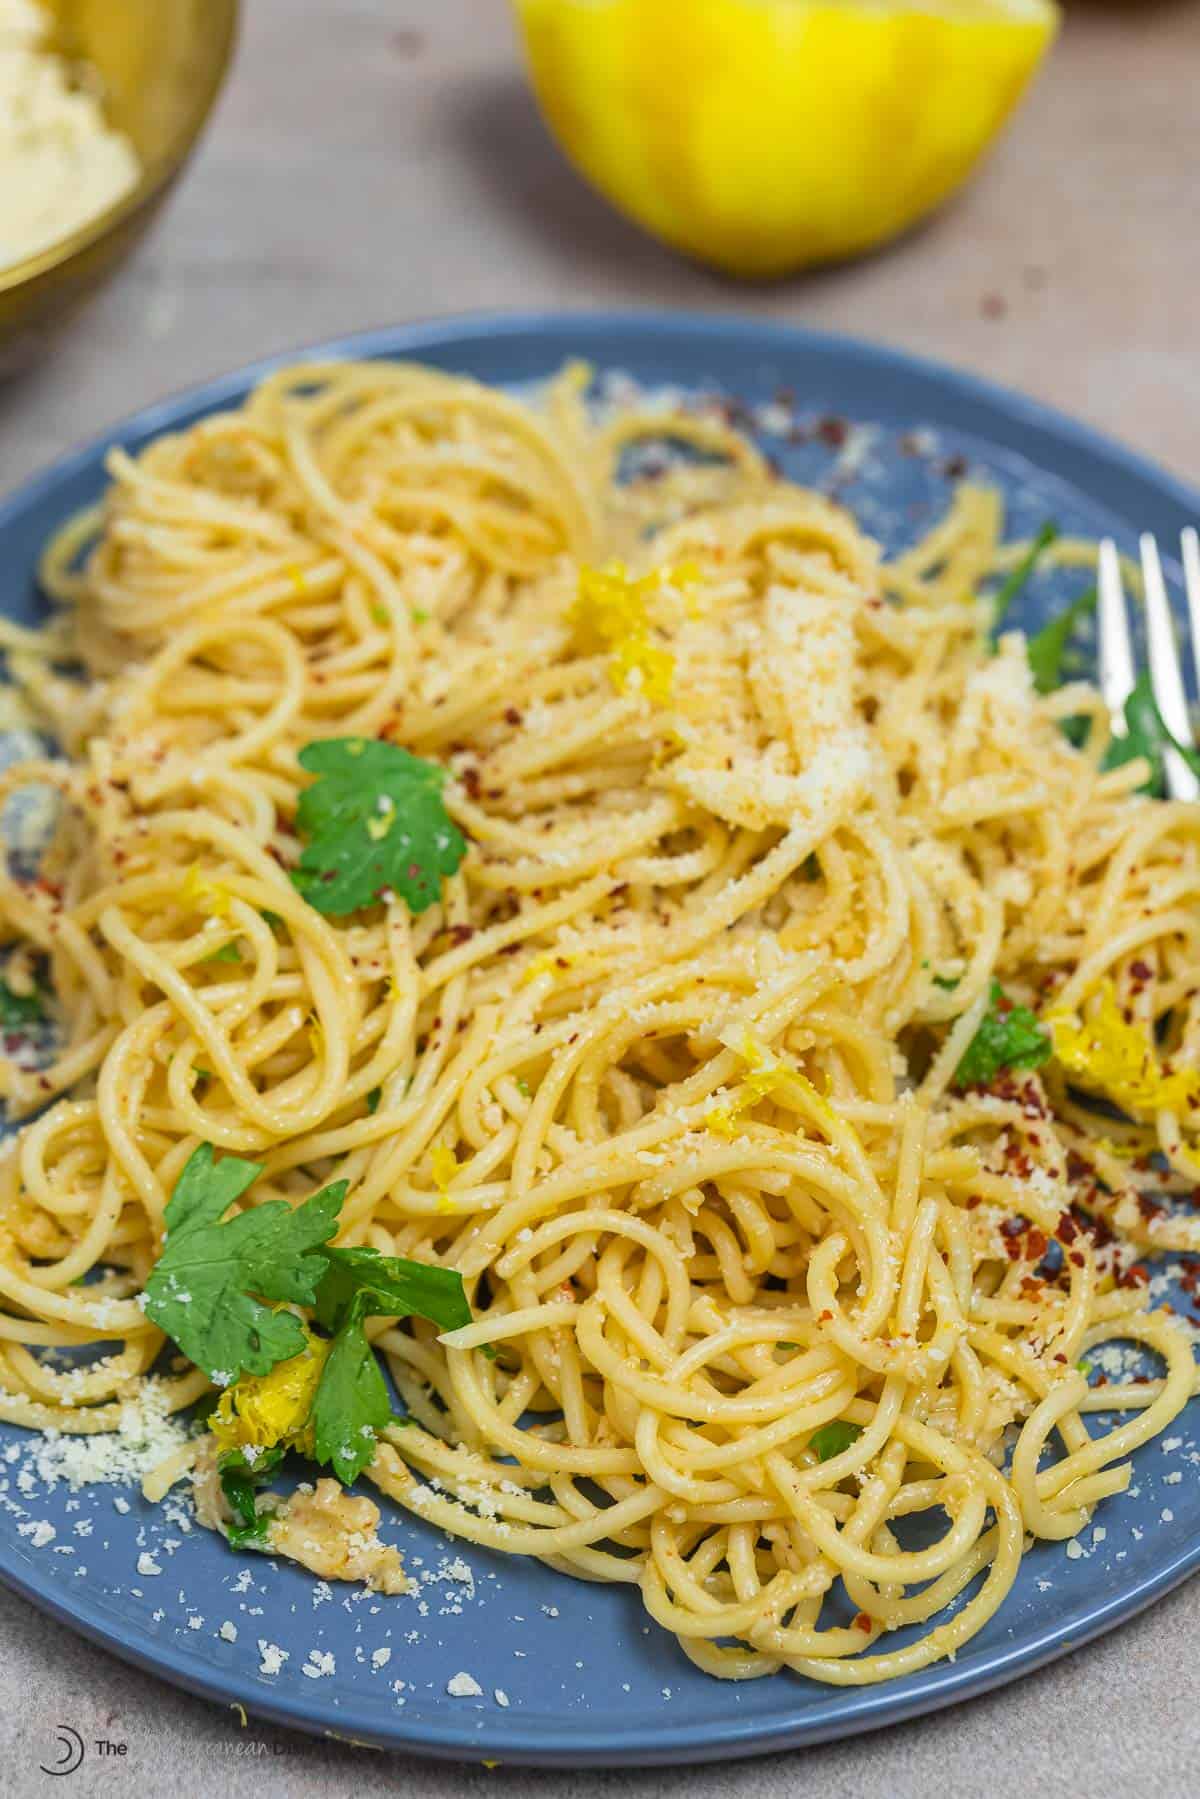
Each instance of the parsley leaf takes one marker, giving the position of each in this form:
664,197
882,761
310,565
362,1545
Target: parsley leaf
373,1099
388,1287
352,1402
1008,1037
1147,735
202,1291
18,1009
947,982
228,952
238,1482
833,1439
374,819
1020,577
1048,647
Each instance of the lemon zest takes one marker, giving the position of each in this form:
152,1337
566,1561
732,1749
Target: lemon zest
764,1076
263,1410
1107,1054
199,891
611,612
444,1165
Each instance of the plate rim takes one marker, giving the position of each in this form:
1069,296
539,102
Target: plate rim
840,1711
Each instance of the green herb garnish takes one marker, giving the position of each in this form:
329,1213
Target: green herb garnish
1146,734
1020,577
228,952
375,820
1009,1036
1047,649
239,1479
946,982
390,1287
20,1009
352,1402
373,1099
207,1288
833,1439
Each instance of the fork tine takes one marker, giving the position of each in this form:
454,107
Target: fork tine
1116,651
1166,676
1191,577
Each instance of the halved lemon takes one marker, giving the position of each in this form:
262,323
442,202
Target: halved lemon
763,135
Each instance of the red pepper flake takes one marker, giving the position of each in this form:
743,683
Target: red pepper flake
1141,971
834,432
863,1622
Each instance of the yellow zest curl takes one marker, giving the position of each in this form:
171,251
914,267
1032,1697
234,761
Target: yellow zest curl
1103,1052
262,1410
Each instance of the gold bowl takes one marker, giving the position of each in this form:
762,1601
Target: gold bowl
161,63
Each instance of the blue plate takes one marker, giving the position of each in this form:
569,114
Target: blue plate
572,1674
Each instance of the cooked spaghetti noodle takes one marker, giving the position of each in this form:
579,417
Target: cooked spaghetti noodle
669,1072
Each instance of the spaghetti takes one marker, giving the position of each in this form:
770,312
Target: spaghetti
765,850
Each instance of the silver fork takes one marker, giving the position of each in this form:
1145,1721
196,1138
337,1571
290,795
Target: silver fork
1118,671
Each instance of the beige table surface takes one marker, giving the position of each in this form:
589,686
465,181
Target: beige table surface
378,160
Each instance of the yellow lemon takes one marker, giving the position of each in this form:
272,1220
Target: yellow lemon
762,135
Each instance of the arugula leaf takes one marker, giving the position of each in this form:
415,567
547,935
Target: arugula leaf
1146,734
833,1439
1020,577
239,1479
202,1291
1008,1037
228,952
18,1009
1048,646
388,1286
374,819
352,1402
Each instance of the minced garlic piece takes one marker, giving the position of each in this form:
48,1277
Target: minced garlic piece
336,1535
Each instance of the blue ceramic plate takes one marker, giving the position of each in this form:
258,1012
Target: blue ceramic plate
572,1674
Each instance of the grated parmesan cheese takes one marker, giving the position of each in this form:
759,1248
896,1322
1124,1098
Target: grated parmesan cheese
61,163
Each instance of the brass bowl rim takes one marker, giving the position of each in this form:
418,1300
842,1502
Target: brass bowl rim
154,175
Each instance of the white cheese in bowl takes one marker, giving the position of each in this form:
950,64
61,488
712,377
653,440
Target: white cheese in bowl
61,162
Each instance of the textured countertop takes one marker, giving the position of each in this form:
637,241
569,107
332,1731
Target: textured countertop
377,160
